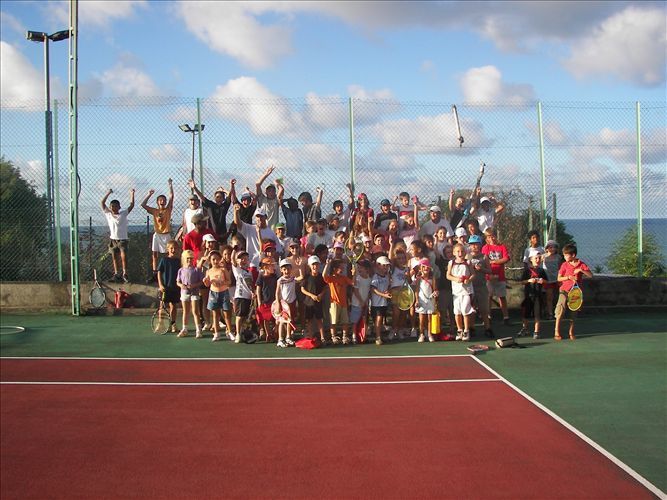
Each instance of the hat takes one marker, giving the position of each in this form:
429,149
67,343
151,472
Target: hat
425,263
383,260
361,195
475,238
280,225
551,243
534,252
435,208
246,195
483,199
313,259
338,244
460,232
385,202
294,243
198,218
209,237
260,212
194,197
285,262
268,244
267,261
365,238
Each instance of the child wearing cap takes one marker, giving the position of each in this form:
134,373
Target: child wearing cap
283,239
203,263
265,291
482,268
426,296
243,293
194,208
380,296
338,284
551,263
533,278
286,291
385,215
460,272
313,289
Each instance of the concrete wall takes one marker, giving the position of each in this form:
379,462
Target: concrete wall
599,292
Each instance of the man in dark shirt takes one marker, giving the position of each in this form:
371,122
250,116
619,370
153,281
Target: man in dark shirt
218,208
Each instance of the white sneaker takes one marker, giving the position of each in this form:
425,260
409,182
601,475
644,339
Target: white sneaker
237,339
466,336
431,338
221,325
206,327
183,333
421,338
281,344
198,334
459,335
354,338
231,336
289,341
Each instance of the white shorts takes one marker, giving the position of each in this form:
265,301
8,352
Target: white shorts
463,305
187,296
160,242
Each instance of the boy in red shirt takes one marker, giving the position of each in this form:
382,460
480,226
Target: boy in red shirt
571,271
496,282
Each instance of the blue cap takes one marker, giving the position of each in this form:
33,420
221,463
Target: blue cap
475,238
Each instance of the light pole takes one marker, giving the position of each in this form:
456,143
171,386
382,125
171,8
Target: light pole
41,37
197,127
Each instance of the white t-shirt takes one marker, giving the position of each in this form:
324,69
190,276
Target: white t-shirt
430,227
381,283
287,289
271,207
117,224
363,286
485,219
188,214
243,289
249,232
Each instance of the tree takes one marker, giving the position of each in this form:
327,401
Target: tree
24,219
624,257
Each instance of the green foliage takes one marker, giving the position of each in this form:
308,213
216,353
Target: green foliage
624,257
24,219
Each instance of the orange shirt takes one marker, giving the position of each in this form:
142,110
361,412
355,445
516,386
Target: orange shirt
338,288
161,220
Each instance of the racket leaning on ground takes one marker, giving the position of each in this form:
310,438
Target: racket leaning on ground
575,298
97,296
161,321
405,297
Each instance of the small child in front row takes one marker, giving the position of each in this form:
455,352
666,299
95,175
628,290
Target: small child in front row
338,283
189,280
265,287
551,263
313,288
243,294
360,295
380,295
286,290
218,280
571,271
460,273
426,300
533,279
167,272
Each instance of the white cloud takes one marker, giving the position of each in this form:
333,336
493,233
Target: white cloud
20,81
630,45
126,79
95,14
231,28
168,153
485,84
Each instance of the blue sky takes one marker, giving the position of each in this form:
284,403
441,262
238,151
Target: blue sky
433,52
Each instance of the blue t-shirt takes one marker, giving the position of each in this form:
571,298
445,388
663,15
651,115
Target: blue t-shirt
168,267
267,284
293,222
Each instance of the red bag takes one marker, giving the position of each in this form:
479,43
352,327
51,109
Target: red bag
307,343
121,296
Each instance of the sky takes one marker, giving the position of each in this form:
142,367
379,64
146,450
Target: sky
430,52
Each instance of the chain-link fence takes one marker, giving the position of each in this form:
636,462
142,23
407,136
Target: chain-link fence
589,155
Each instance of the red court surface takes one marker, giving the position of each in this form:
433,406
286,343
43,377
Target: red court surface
475,439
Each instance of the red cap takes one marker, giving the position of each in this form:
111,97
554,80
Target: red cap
268,244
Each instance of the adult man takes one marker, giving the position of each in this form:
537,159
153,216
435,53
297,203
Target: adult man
436,221
268,200
194,239
161,224
254,235
117,220
311,211
485,213
194,208
247,204
217,208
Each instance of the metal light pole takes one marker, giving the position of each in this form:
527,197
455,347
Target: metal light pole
198,127
41,37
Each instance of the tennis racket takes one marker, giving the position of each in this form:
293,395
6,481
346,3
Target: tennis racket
478,183
161,321
97,296
477,348
575,298
354,251
405,297
458,126
281,313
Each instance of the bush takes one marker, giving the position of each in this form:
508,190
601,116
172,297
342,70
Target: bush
624,258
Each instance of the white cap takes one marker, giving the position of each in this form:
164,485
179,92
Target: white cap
365,238
260,211
313,259
383,260
285,262
534,252
435,208
483,199
209,237
460,232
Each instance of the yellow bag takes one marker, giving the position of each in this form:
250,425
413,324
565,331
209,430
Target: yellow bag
435,323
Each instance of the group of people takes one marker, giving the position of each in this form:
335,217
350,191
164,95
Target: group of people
333,278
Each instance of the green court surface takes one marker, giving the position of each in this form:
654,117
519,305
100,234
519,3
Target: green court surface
610,384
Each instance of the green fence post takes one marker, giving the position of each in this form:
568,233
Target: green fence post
56,182
74,154
640,228
201,162
543,202
352,169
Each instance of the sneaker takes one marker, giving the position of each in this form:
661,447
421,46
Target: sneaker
198,334
173,328
489,333
536,336
289,341
125,278
414,333
216,337
466,336
207,327
431,338
237,338
459,335
281,344
523,332
421,338
346,340
354,339
221,325
378,341
335,339
183,333
231,336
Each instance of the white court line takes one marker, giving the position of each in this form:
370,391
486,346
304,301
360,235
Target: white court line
302,358
634,474
255,384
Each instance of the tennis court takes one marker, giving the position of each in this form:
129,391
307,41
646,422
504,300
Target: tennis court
99,407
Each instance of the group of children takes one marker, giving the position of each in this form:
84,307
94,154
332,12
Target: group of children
348,273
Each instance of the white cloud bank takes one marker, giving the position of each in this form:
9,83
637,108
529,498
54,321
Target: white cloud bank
485,84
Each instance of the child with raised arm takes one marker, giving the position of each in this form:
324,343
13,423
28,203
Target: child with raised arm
338,284
496,282
426,299
571,271
380,296
360,295
460,272
313,289
286,291
166,279
161,225
533,279
218,280
118,244
189,280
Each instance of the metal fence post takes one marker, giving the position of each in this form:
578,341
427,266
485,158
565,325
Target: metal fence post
640,227
73,154
352,169
201,163
56,185
543,201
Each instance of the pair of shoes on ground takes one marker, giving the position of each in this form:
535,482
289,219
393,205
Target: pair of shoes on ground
463,335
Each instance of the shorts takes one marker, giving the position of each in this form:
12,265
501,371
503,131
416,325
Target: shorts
379,311
531,308
189,295
482,300
116,246
172,295
338,314
496,288
263,313
315,311
552,286
242,307
160,242
561,307
356,313
463,305
219,300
